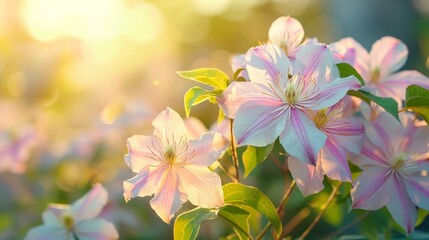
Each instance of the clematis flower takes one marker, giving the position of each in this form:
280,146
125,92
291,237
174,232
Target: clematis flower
344,134
273,103
14,151
174,168
378,67
395,165
76,221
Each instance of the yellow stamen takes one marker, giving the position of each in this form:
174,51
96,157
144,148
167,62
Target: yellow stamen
170,154
68,222
321,119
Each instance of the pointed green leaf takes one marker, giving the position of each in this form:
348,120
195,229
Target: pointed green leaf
388,104
254,156
245,196
417,100
220,116
197,95
239,219
187,224
210,76
421,216
346,70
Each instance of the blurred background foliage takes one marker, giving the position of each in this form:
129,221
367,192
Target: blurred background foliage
84,75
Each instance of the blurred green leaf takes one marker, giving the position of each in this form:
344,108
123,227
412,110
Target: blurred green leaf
239,219
417,100
346,70
197,95
187,224
421,216
254,156
241,196
210,76
388,104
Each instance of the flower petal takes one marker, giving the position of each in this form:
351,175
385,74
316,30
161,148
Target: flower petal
309,178
259,123
238,93
169,127
347,133
53,215
313,58
301,138
372,188
140,154
362,58
267,64
48,232
194,127
203,187
97,228
91,204
388,54
371,155
332,92
207,149
239,62
169,199
401,207
334,161
417,187
419,142
286,33
145,183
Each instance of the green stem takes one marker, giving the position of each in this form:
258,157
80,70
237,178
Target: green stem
234,150
279,208
324,208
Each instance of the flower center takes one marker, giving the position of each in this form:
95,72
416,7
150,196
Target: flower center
375,76
399,161
170,154
68,222
290,94
321,119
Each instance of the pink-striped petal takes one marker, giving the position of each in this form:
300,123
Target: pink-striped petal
334,161
260,123
313,58
401,207
169,199
417,187
145,183
371,155
140,152
194,127
286,33
238,93
97,228
309,178
49,232
419,144
347,133
91,204
267,65
301,138
362,58
239,62
203,187
388,55
372,188
207,149
332,92
169,127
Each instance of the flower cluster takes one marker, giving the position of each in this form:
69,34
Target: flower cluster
296,91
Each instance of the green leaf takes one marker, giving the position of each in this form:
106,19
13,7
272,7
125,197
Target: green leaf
245,196
210,76
417,100
421,215
254,156
220,116
388,104
187,224
197,95
346,70
239,219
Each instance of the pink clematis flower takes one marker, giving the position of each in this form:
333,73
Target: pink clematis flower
377,67
273,103
395,166
76,221
14,152
344,134
174,168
